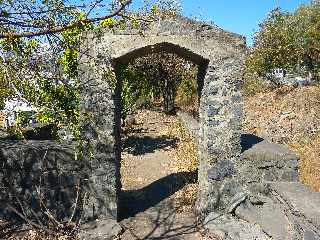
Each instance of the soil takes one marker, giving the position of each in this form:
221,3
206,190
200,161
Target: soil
158,189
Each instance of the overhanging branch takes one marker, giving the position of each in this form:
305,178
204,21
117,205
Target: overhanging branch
65,27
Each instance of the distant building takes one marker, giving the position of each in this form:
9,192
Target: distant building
279,73
281,77
14,106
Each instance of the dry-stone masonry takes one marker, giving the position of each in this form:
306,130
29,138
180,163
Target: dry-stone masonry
272,204
289,210
36,176
219,56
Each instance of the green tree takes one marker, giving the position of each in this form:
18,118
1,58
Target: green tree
157,75
40,50
38,46
287,40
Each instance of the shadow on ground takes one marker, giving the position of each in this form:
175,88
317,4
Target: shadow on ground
248,141
163,224
136,201
146,144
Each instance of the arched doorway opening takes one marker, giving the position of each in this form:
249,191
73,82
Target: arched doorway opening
140,145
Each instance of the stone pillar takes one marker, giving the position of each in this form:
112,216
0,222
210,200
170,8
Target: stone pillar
220,125
99,131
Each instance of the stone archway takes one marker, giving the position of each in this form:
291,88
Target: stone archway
219,55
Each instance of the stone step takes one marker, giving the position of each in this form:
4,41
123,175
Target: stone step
292,212
300,200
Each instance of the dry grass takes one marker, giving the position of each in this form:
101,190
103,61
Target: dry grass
186,160
186,151
289,116
30,233
310,162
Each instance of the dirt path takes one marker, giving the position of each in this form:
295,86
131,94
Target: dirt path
158,191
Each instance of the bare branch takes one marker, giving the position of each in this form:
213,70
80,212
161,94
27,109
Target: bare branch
13,209
66,27
42,12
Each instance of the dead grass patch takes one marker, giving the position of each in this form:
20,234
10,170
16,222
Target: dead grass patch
309,171
289,116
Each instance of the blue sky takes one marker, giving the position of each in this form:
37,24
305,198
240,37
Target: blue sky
240,16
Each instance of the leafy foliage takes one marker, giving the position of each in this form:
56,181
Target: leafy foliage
156,76
288,40
42,68
28,18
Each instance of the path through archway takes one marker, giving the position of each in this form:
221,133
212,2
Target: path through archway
159,188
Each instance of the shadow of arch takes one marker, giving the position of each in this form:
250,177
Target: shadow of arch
133,202
248,141
146,144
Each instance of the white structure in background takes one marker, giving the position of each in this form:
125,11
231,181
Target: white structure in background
278,73
12,108
281,77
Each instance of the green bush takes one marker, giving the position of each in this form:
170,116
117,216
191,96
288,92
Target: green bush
253,85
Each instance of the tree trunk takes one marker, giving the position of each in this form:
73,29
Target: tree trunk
168,97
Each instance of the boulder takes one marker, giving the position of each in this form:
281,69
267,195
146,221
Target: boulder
221,170
226,227
301,200
107,229
290,211
267,154
269,216
269,162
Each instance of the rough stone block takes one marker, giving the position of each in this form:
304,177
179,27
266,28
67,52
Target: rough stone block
106,229
290,176
229,228
265,162
309,235
269,152
303,201
221,170
269,216
292,164
212,111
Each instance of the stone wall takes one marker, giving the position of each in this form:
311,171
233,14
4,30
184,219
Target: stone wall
39,175
269,162
288,210
260,163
